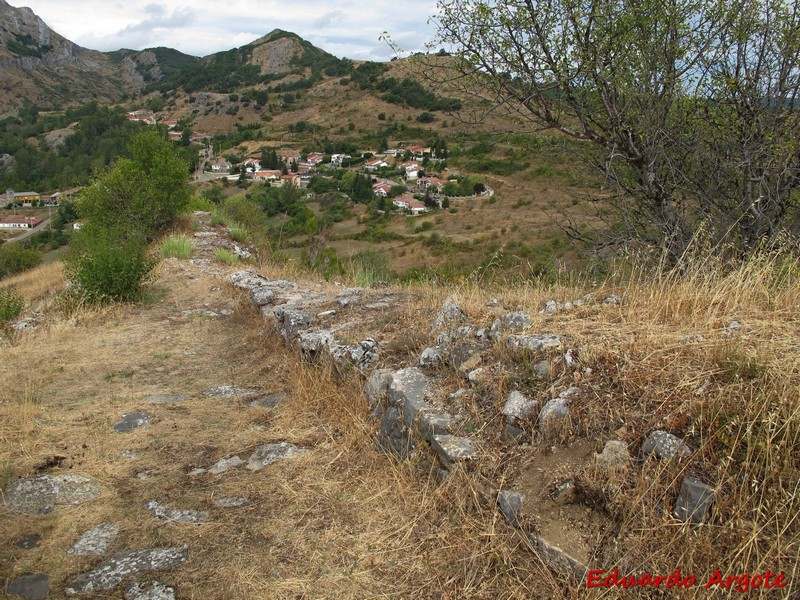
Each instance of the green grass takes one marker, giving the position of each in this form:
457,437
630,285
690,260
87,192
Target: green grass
176,246
238,234
226,256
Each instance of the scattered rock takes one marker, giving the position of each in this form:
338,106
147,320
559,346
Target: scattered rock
175,514
449,313
43,494
557,559
478,376
111,572
225,464
693,501
377,390
512,321
234,502
131,421
170,399
555,412
33,586
511,505
29,541
246,280
553,306
614,457
565,493
229,391
452,449
152,591
430,357
519,406
362,355
431,424
543,369
534,343
407,384
269,453
665,446
394,436
290,321
461,395
612,299
262,295
512,432
95,542
270,400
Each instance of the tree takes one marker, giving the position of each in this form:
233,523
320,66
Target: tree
146,191
688,107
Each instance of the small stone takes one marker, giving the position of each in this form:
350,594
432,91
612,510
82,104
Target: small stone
33,586
231,502
512,432
29,541
131,421
565,493
519,406
534,343
511,505
612,299
129,454
551,306
170,399
326,313
430,357
229,391
431,424
112,571
452,449
479,375
246,280
153,591
512,321
450,312
144,475
377,388
269,453
196,472
693,501
270,400
554,413
175,514
95,542
665,446
225,464
393,435
614,457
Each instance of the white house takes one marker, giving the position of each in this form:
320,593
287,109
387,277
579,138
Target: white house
19,222
375,165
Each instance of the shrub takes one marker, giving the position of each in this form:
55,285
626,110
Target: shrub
14,258
176,246
226,256
238,234
11,303
109,264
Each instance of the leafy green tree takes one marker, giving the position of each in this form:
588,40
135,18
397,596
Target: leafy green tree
146,191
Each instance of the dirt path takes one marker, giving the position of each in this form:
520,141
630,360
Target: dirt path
335,519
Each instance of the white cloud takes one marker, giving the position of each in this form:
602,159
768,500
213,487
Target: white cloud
203,27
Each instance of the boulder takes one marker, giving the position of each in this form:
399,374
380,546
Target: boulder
519,406
45,493
449,313
96,541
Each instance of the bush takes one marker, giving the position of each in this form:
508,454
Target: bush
109,264
14,258
11,303
226,256
176,246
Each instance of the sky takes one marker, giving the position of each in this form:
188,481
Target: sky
350,28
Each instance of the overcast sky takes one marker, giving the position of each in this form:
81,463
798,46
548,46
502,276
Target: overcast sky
346,29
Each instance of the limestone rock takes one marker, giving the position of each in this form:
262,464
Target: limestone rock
175,514
111,572
693,501
267,454
229,391
45,493
153,591
96,541
394,436
430,357
614,457
512,321
233,502
314,343
270,400
665,446
167,399
33,586
534,343
29,541
519,406
452,449
377,388
290,321
565,493
247,280
449,313
225,464
431,424
362,355
556,411
407,384
131,421
511,505
262,295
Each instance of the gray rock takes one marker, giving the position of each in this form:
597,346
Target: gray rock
519,406
465,356
326,313
314,343
112,571
247,280
262,295
555,412
557,559
449,313
512,321
665,446
152,591
512,432
95,542
543,369
131,421
407,383
446,339
346,300
33,586
234,502
377,388
362,355
511,505
430,357
552,306
225,464
452,449
267,454
431,424
612,299
175,514
534,343
461,395
170,399
412,406
229,391
45,493
693,501
290,321
270,400
394,436
478,376
615,456
29,541
565,493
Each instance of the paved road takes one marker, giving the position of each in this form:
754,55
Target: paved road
30,232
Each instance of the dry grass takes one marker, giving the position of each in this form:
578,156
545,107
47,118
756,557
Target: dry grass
38,284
